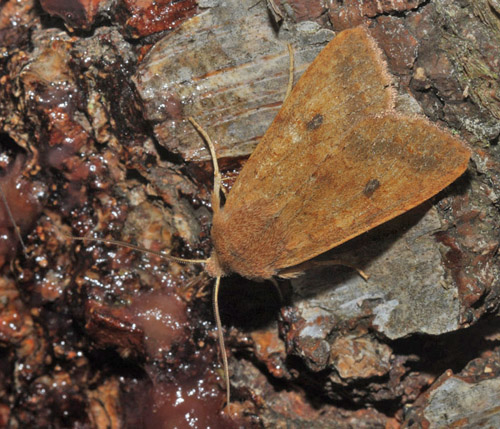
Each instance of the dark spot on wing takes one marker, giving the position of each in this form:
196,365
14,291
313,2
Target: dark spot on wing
371,187
315,122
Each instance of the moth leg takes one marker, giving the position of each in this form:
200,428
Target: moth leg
196,287
217,175
361,273
298,270
277,287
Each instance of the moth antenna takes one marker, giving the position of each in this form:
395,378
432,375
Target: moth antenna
220,337
291,69
137,248
12,221
217,175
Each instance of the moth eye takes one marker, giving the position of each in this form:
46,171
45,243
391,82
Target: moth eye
315,122
371,186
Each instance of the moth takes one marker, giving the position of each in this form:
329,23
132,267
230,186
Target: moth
337,161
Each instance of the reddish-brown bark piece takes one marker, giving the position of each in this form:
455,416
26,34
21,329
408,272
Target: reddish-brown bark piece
78,14
336,162
143,18
345,14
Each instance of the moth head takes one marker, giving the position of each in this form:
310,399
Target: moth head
213,266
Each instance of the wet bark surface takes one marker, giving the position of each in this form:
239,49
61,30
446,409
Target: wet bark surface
95,142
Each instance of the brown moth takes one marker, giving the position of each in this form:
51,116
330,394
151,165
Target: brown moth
337,161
